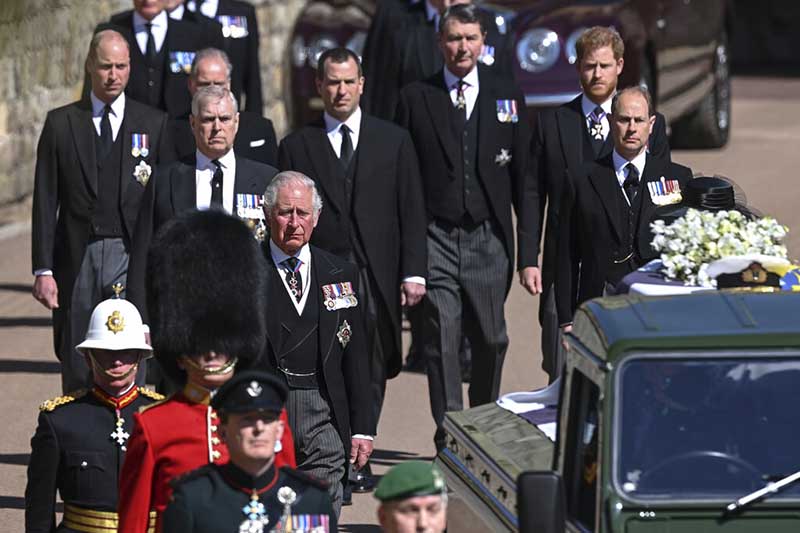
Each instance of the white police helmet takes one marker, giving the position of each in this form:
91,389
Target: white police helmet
115,325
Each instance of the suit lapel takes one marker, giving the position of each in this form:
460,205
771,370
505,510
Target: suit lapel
84,134
130,125
437,100
487,107
324,273
274,324
605,184
184,187
318,147
367,144
572,133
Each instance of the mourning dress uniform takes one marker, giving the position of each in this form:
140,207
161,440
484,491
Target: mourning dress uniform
162,51
93,163
225,497
241,42
374,217
205,294
564,139
604,230
78,450
317,345
472,141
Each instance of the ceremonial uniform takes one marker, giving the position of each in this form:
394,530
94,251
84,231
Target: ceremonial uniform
78,450
169,439
220,498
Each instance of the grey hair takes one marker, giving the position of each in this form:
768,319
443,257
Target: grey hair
285,178
98,38
210,53
211,93
636,89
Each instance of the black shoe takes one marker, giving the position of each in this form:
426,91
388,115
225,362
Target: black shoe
347,495
362,480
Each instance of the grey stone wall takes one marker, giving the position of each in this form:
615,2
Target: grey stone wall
43,45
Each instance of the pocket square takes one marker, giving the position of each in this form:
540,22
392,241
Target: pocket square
257,143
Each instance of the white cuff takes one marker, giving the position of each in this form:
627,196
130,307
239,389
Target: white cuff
415,279
43,272
360,436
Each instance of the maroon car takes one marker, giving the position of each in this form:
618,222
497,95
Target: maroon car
678,48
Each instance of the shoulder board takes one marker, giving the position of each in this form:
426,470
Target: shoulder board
162,401
180,479
304,478
51,405
153,395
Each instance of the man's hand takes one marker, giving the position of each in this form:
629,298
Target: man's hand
531,279
360,450
45,290
411,293
564,330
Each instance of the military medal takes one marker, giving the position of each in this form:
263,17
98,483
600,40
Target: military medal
507,111
344,334
140,144
664,191
596,123
503,158
287,497
487,55
233,27
119,435
339,296
256,514
181,62
249,208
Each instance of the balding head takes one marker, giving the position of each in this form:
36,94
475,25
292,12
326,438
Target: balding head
211,66
108,64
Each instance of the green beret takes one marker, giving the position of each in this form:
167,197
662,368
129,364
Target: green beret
410,479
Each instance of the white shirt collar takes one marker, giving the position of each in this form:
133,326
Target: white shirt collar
471,78
588,106
177,13
620,163
117,106
279,256
226,161
158,21
353,122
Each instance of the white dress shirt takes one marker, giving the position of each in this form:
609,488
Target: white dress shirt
620,164
177,13
588,107
333,128
304,255
159,30
204,171
115,116
207,8
470,90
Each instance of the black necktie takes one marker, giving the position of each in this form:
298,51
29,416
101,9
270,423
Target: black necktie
105,139
346,153
150,47
631,184
461,105
216,186
293,277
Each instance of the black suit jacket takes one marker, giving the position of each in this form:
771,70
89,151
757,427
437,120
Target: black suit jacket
344,367
592,230
413,54
255,139
173,190
65,184
388,209
243,53
424,112
560,142
182,36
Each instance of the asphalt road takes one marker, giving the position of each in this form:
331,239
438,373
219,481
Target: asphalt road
762,158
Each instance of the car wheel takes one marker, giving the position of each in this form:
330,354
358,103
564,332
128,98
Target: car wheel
709,125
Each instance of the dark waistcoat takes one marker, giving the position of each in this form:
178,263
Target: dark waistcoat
107,218
298,345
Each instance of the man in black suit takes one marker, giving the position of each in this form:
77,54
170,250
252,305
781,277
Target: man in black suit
315,337
472,141
564,138
240,31
93,162
606,207
255,139
214,178
412,54
367,172
162,50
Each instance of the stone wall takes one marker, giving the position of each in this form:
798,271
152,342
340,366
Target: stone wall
43,44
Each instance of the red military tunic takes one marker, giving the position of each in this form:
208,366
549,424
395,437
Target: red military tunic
170,439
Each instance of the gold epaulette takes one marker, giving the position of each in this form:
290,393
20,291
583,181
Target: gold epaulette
153,395
50,405
163,399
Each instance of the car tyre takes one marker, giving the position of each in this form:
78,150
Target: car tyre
709,125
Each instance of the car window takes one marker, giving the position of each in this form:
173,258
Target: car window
707,428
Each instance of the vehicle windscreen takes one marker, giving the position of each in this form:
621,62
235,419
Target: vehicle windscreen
707,428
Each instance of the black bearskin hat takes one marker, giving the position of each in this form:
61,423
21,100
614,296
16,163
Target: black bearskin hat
205,290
